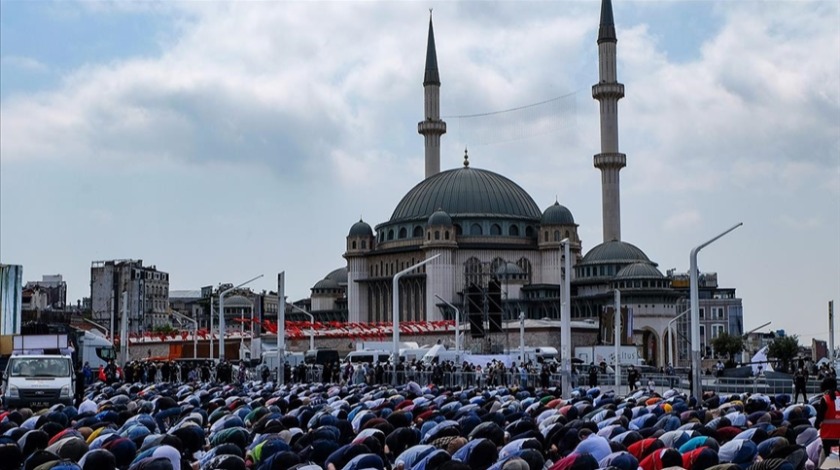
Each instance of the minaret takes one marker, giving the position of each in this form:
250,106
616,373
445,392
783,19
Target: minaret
608,91
432,127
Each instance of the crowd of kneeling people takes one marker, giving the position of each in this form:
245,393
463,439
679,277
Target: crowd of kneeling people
191,423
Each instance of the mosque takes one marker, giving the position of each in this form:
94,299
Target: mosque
486,229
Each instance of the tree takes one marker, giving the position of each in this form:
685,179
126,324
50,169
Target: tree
784,349
728,345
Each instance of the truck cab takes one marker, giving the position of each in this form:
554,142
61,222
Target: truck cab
38,381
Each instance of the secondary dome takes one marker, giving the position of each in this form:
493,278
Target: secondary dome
439,218
615,252
360,229
639,271
557,215
466,192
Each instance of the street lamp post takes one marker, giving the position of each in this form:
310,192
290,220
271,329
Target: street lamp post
457,331
671,332
195,331
395,304
521,339
697,388
566,322
617,327
311,325
222,315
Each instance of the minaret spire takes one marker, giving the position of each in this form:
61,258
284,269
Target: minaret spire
432,127
608,91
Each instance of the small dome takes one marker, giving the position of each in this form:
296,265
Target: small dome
508,270
557,215
238,301
639,271
439,217
338,275
615,252
360,229
326,284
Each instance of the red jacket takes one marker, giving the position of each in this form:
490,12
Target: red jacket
830,423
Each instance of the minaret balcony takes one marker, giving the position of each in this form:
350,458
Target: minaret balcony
610,160
431,127
608,90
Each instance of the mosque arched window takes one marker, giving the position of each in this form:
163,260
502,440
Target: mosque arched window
475,229
418,231
513,230
437,234
472,271
403,233
557,235
545,236
529,231
364,244
429,236
567,235
495,229
353,245
458,230
446,235
391,234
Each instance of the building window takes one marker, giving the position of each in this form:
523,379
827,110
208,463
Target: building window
495,229
545,236
403,233
717,330
418,231
364,245
446,234
702,312
458,230
475,229
568,235
717,313
513,231
437,234
529,231
557,235
391,234
353,245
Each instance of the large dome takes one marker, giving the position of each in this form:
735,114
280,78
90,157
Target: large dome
467,192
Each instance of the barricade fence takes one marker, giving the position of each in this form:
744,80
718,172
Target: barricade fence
655,382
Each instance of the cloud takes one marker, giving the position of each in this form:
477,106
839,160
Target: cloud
28,64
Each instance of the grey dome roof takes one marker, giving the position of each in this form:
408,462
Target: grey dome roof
238,301
439,218
466,192
326,284
638,271
360,229
338,275
615,252
557,215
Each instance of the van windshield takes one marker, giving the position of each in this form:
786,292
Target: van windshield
39,367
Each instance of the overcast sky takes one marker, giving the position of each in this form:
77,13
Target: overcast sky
222,140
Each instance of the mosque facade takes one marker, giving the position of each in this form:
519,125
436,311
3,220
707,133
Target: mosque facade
483,228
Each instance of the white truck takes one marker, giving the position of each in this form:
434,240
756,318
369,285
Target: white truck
39,372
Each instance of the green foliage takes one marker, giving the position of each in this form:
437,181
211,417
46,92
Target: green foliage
165,329
728,345
784,349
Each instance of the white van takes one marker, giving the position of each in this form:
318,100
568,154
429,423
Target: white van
38,381
367,357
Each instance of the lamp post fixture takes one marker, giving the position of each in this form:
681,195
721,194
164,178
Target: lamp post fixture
222,315
311,325
195,330
566,321
395,304
697,388
617,327
457,332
